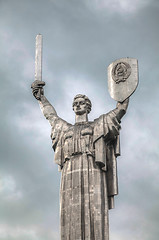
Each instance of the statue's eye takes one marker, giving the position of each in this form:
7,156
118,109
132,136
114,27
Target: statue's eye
82,102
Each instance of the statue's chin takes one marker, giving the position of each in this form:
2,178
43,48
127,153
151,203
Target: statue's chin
80,112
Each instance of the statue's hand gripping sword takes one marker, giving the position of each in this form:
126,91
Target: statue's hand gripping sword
38,83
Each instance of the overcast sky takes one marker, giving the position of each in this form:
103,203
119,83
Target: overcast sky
80,39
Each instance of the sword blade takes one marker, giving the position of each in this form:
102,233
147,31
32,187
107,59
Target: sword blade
38,58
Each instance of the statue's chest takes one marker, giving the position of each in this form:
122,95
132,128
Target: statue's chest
78,139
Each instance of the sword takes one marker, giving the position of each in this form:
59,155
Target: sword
38,58
38,65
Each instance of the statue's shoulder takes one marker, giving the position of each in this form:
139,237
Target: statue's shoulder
100,118
59,122
105,116
59,127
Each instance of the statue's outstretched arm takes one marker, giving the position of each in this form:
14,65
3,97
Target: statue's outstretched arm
46,107
121,108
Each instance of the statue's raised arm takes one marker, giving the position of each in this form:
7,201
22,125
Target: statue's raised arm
59,126
121,108
37,87
47,109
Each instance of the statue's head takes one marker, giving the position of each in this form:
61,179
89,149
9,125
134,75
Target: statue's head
81,104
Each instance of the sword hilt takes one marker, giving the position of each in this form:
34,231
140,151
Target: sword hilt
38,95
38,85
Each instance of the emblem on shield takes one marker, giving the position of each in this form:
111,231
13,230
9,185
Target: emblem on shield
122,78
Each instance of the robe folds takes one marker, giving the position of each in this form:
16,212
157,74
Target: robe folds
86,155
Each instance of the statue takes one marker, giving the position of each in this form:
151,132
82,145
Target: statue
86,154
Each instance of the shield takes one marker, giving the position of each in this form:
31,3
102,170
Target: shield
122,78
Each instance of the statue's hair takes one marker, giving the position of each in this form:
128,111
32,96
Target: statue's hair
88,102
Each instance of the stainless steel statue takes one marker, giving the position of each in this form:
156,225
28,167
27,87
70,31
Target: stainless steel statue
86,154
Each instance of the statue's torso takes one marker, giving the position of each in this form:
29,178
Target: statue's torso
78,139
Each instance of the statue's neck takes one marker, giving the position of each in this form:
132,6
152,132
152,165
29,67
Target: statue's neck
81,118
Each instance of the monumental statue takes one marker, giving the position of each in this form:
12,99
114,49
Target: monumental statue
86,152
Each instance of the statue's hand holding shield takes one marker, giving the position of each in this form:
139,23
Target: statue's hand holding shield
122,78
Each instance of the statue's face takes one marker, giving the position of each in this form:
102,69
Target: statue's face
79,106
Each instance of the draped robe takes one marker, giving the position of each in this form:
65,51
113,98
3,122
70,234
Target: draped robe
86,155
